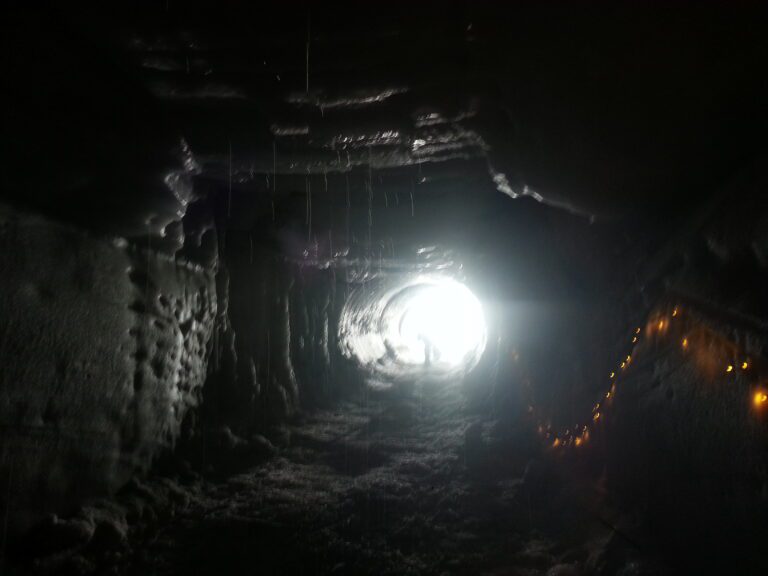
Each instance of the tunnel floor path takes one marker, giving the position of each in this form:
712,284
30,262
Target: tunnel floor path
387,484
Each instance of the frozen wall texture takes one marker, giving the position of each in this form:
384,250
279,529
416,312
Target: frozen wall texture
686,443
276,337
103,348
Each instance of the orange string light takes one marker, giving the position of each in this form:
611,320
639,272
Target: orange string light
566,439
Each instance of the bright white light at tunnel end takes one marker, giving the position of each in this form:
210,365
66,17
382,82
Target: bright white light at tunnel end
422,326
442,325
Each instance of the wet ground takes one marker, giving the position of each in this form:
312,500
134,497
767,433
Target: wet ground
395,482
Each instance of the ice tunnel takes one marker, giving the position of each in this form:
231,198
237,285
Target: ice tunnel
383,289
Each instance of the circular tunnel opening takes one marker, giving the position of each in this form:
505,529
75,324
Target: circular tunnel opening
424,326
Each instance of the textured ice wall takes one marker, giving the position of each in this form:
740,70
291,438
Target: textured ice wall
277,345
103,349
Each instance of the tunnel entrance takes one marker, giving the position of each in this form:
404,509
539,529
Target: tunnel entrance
418,326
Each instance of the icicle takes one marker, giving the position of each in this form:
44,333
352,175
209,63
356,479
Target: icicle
309,23
149,261
349,204
274,176
349,200
370,197
309,209
370,213
229,198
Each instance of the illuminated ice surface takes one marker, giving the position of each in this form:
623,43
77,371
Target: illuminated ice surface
425,325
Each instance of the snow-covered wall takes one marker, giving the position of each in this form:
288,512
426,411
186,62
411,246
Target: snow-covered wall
686,437
276,337
103,349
